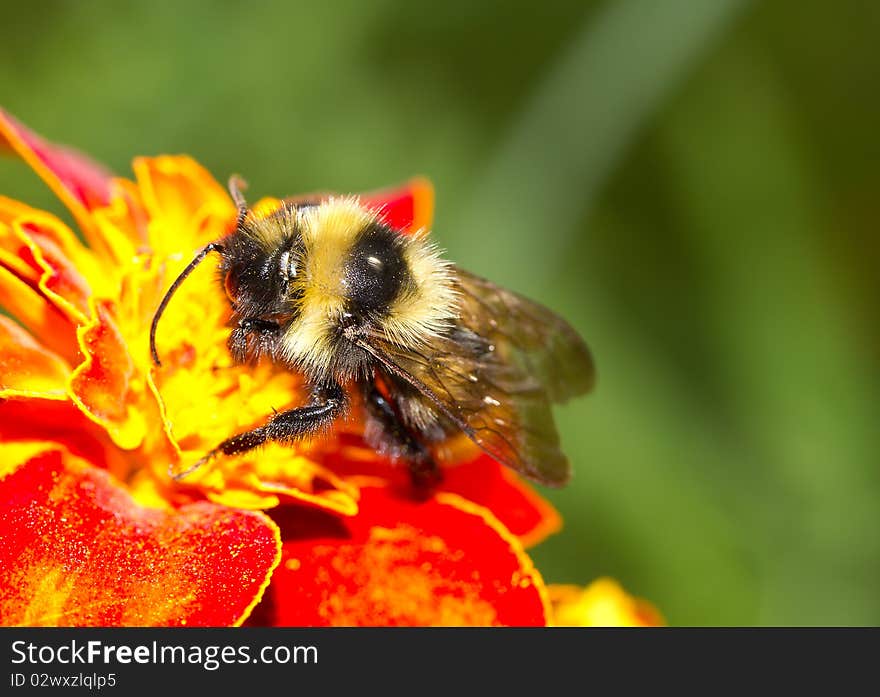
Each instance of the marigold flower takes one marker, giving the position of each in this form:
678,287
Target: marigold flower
604,603
95,529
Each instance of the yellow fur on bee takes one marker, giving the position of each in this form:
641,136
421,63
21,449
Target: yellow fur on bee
329,231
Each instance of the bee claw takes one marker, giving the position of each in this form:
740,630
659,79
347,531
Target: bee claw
425,477
192,468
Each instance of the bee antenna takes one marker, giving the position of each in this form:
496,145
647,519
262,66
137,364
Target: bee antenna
236,186
213,247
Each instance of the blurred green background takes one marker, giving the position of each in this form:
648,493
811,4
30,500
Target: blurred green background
693,184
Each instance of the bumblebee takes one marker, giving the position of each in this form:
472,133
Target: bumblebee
373,316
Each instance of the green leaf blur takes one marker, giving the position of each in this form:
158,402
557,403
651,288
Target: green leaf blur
692,184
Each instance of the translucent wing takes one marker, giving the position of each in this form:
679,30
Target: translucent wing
545,344
495,375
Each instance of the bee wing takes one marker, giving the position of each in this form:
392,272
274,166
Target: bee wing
496,374
546,345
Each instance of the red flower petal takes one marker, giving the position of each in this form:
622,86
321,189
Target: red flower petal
78,551
78,181
409,207
27,369
58,423
442,562
518,506
478,478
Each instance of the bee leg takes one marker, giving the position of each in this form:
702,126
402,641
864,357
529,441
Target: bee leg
425,476
326,405
252,338
390,436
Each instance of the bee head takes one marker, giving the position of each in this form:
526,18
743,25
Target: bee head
360,280
328,274
259,277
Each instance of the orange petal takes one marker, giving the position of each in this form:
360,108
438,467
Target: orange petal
10,243
80,183
446,561
603,603
49,227
11,210
45,322
78,551
186,207
103,384
42,261
409,207
59,259
27,369
122,224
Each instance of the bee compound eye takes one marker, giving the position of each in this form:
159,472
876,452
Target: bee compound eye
374,274
231,288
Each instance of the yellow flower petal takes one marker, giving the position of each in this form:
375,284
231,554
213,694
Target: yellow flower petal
604,603
186,207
